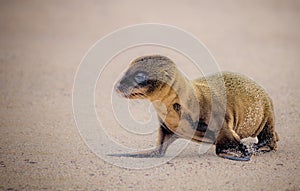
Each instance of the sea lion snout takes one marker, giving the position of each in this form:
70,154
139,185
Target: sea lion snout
119,88
123,89
129,88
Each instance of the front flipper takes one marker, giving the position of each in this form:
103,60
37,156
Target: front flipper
165,138
144,154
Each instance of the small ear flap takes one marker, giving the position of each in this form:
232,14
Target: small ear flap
177,107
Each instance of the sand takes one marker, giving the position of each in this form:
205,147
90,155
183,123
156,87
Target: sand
42,44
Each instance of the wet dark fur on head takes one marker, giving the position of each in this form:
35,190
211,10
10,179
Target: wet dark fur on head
164,74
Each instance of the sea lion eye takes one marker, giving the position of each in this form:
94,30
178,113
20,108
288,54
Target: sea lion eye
140,77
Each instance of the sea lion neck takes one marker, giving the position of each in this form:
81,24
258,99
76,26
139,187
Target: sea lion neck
171,92
179,94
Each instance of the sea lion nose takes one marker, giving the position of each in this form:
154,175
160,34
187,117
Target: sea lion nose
120,87
117,87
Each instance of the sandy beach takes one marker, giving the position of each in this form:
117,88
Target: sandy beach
42,44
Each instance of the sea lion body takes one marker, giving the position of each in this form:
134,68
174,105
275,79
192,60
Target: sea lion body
185,108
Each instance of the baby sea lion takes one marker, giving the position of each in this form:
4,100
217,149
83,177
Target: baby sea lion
184,108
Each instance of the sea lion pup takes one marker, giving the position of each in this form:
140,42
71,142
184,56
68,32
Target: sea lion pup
184,108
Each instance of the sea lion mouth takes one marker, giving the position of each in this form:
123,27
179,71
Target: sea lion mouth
130,93
137,94
133,94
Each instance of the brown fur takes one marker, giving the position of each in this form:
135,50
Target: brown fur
184,107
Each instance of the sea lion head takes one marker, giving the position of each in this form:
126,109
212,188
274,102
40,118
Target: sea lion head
146,76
